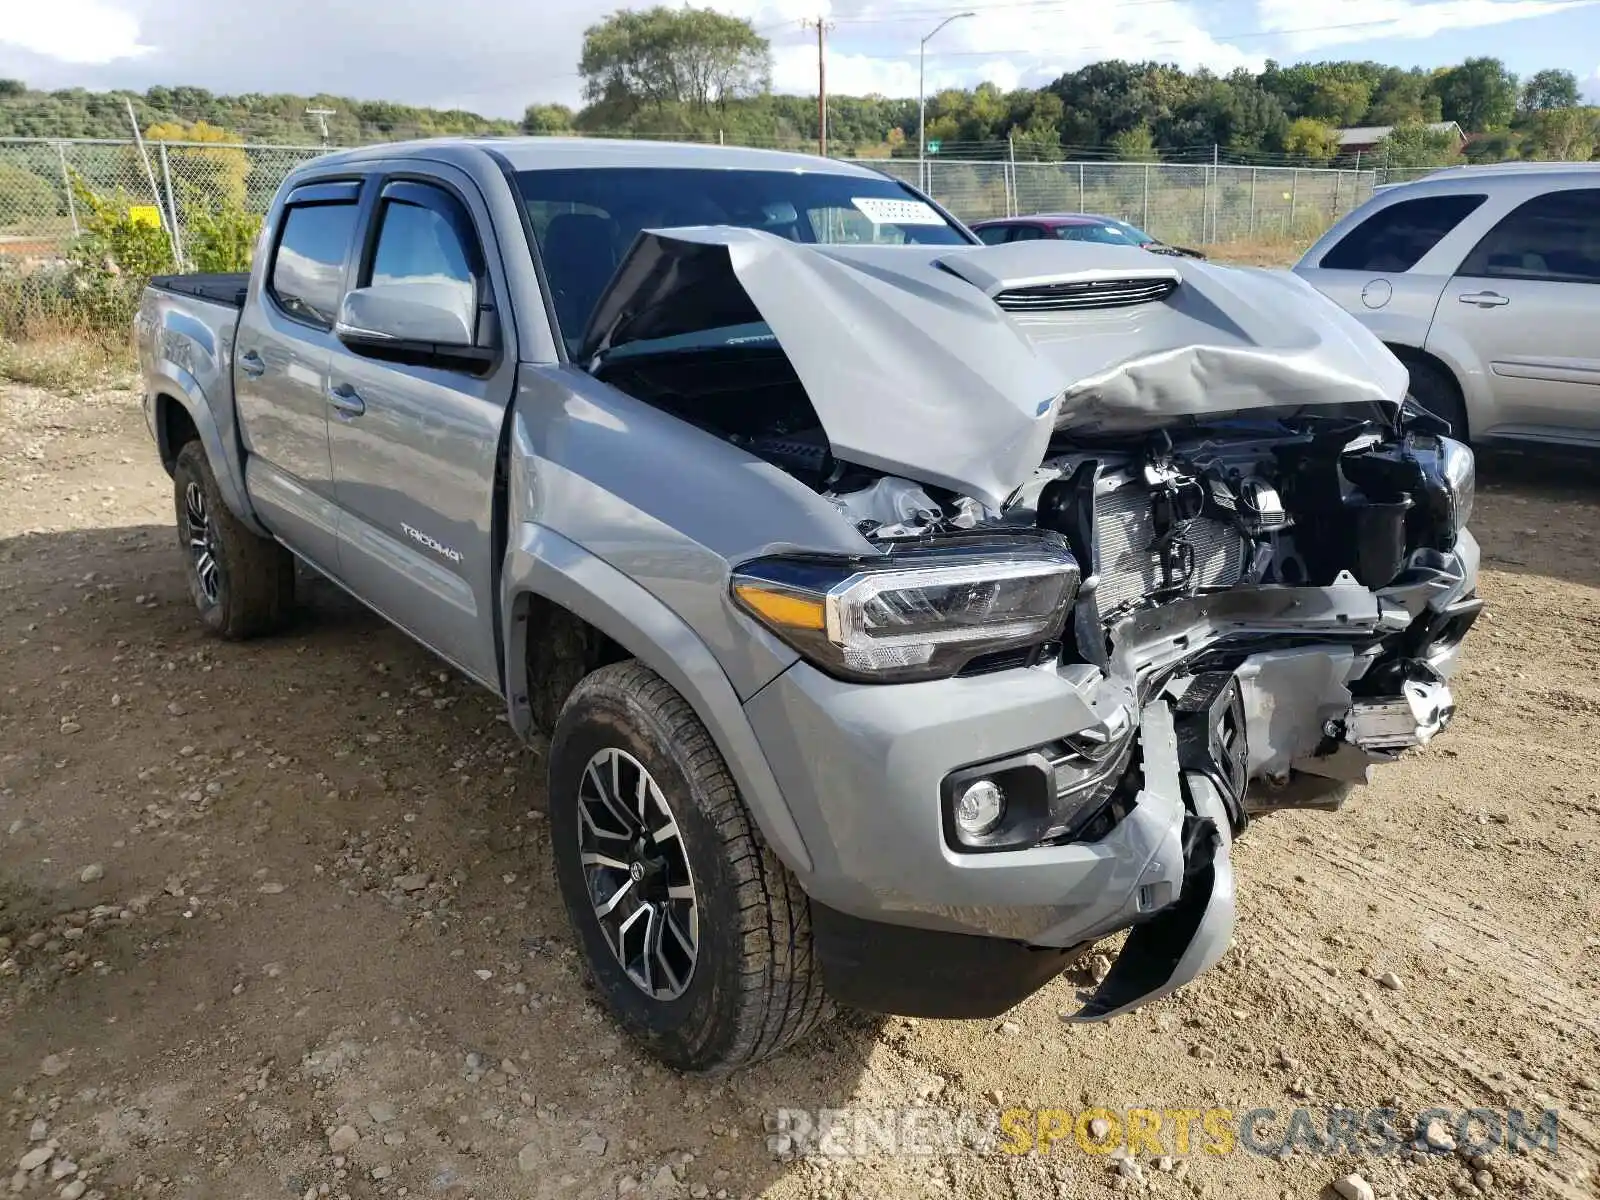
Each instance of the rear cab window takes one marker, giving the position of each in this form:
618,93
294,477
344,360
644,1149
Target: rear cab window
1395,238
308,263
1554,237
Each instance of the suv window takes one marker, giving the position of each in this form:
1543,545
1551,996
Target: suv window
1396,237
308,268
1555,236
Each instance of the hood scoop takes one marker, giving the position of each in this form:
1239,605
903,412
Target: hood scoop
1078,295
1019,277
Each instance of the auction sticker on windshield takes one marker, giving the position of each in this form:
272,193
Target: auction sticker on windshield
882,211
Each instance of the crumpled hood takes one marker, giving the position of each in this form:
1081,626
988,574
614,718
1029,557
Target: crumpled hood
914,368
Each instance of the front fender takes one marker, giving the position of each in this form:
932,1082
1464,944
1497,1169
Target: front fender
541,562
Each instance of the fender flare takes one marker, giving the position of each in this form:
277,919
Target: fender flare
540,562
171,384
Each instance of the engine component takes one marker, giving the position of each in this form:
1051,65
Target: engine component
1260,508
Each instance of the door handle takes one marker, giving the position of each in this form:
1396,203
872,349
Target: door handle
1486,299
346,401
252,364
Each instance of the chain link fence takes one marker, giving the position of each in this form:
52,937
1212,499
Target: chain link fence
1181,204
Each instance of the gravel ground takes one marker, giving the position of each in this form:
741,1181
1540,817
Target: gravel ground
279,920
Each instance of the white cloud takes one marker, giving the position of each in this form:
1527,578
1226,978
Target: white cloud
1008,43
1370,20
72,31
497,56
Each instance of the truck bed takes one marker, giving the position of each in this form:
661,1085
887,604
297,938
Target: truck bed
226,288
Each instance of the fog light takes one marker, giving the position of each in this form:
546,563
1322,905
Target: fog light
980,808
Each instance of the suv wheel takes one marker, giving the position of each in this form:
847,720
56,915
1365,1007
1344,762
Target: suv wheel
242,585
698,939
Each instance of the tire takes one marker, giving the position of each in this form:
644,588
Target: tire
1434,389
751,985
242,585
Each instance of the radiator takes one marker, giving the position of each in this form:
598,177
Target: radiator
1130,567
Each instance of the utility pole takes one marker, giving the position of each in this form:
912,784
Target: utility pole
822,26
322,115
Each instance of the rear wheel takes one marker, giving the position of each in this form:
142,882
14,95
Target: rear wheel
697,937
242,584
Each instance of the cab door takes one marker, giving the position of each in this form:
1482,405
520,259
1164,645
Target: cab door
415,444
281,352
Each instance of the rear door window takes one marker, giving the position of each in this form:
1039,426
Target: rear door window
308,269
1026,233
1396,237
993,235
1553,237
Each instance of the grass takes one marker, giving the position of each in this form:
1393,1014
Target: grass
48,339
66,360
1259,252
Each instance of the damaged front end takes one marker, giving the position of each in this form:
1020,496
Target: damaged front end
1192,500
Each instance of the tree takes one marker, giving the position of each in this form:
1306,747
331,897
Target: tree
209,178
660,56
1135,145
547,118
1311,139
1403,98
1478,95
1561,135
12,87
1420,146
1550,89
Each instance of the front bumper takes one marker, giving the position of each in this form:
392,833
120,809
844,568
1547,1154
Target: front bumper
861,768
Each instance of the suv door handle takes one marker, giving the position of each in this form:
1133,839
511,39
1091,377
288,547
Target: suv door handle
347,401
252,364
1486,299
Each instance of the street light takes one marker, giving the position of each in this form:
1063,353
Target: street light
922,101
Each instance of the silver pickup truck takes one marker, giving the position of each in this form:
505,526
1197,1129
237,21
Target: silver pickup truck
904,614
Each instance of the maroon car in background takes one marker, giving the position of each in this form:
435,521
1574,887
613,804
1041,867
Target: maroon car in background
1074,227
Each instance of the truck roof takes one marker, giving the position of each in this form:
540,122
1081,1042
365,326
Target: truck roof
556,153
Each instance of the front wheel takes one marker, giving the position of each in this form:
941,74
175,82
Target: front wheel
697,937
242,585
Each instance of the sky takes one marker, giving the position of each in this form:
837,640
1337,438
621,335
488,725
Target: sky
497,56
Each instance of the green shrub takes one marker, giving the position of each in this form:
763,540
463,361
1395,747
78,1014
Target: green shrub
112,259
221,240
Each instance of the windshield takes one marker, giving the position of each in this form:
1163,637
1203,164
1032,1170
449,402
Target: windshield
585,219
1114,233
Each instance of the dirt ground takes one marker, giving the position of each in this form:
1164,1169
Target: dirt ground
217,948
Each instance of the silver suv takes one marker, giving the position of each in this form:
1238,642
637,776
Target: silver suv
1483,280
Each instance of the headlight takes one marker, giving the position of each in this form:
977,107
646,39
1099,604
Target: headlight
1460,473
913,614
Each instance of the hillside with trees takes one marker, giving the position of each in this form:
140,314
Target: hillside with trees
696,73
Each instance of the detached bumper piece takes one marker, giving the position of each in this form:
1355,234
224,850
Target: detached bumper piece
1390,724
1181,941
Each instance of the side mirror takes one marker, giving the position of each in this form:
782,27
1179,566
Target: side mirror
428,321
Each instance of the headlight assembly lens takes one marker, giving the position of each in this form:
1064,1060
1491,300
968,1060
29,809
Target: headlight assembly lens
916,614
1460,472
